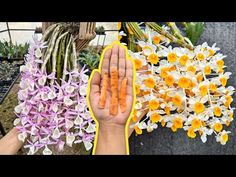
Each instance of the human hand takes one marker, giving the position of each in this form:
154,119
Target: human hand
111,99
114,59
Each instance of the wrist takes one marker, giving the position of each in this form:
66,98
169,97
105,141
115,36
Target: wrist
111,129
111,139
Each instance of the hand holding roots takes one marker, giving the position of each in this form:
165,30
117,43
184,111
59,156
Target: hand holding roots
112,83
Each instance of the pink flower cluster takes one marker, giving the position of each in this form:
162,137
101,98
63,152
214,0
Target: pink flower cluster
50,114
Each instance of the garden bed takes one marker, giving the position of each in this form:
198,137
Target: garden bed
9,72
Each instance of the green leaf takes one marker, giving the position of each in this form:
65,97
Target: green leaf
194,30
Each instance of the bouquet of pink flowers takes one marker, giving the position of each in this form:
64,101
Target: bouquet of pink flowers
52,108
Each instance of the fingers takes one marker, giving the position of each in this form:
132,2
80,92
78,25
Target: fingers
129,76
95,84
122,62
114,57
114,79
106,62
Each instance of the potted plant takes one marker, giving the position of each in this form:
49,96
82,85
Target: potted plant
89,57
100,30
12,52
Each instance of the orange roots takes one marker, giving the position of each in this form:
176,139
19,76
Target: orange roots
123,95
114,92
102,100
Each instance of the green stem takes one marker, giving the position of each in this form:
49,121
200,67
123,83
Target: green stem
175,30
134,27
165,33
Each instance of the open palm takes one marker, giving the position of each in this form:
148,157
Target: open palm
114,57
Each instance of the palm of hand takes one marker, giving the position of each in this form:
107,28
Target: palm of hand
114,57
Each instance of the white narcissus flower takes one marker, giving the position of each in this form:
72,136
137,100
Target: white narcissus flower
142,125
204,138
151,126
148,48
138,105
190,84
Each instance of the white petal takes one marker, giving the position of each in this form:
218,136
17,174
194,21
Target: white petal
55,108
38,53
82,90
18,109
31,150
70,139
23,68
68,101
91,128
142,125
169,124
69,89
141,43
149,129
204,99
47,151
52,95
44,96
56,133
16,122
42,80
85,78
69,124
204,138
80,107
78,121
22,136
25,110
88,145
